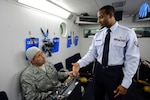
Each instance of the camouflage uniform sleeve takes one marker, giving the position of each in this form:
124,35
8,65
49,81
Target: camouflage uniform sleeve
30,92
61,74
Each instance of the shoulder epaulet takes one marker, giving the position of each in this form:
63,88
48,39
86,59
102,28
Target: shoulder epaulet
125,28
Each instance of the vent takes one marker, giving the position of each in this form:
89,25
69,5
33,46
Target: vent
118,4
86,20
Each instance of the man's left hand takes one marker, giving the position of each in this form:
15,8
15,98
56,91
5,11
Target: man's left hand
120,91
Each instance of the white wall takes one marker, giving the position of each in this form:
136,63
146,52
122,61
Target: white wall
15,23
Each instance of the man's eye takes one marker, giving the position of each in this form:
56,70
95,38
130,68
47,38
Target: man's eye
100,16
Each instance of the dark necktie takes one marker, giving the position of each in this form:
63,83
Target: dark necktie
106,49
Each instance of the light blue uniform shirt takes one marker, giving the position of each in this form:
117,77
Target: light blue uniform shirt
123,49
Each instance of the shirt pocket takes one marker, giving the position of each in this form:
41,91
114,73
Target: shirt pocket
98,46
118,48
99,43
119,44
43,83
40,81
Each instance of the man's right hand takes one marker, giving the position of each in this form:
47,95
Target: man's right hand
75,69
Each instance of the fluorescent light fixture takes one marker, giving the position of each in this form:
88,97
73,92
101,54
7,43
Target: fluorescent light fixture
46,6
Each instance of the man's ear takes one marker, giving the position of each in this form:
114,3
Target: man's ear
32,61
111,15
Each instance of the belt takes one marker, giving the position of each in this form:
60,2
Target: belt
111,67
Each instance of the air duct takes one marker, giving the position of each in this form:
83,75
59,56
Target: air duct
86,20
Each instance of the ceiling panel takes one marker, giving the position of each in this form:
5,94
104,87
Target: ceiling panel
91,7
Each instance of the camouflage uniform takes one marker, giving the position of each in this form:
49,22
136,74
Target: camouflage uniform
39,85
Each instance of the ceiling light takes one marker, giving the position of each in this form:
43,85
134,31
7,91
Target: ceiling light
46,6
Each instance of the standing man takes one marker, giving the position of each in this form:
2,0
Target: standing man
116,50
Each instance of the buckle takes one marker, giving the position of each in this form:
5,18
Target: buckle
105,67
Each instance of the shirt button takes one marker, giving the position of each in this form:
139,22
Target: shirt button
103,67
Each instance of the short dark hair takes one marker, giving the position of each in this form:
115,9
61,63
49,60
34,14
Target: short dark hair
108,9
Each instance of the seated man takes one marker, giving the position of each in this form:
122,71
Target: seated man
40,79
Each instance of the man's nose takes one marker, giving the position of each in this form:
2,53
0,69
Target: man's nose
98,21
